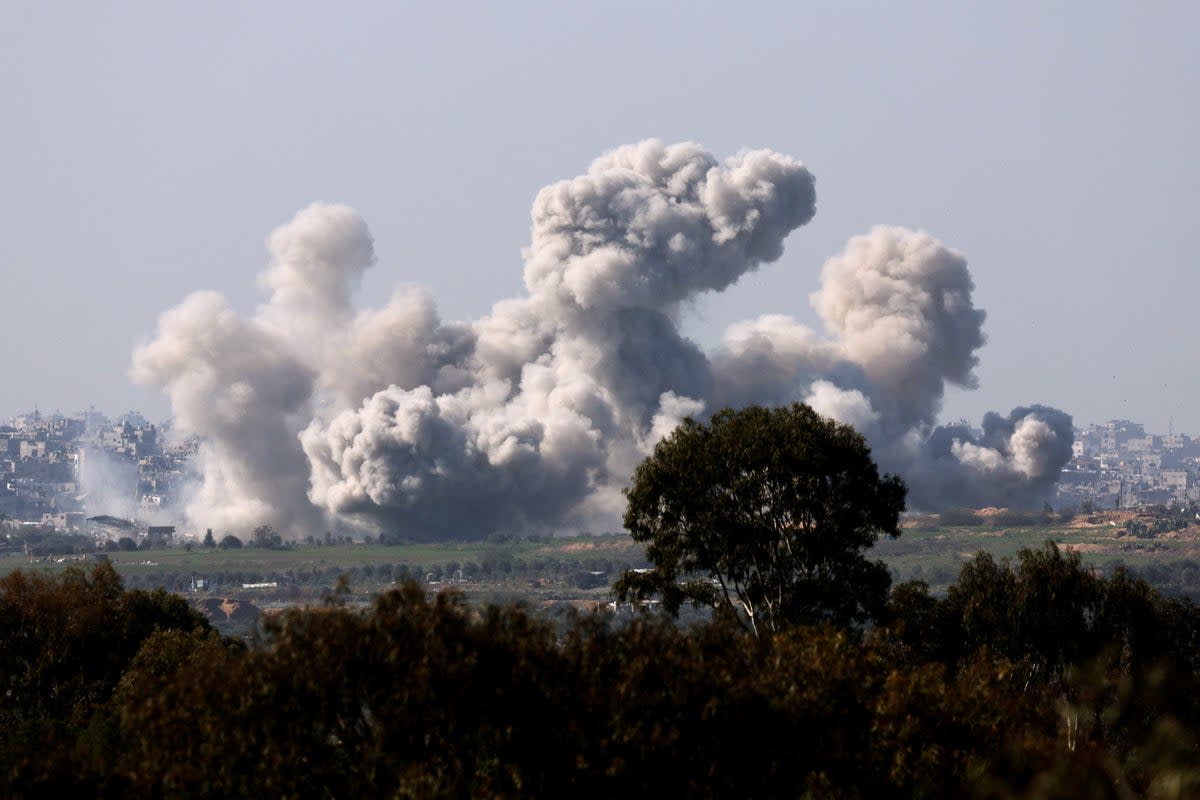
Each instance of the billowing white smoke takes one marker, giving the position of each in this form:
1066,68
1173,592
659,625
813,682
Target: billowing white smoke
109,484
897,305
242,388
533,417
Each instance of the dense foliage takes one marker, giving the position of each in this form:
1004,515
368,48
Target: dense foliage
1034,679
764,514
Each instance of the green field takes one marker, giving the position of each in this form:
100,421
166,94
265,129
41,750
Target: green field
205,560
518,569
936,555
930,553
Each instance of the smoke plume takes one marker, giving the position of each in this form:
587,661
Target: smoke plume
108,483
533,417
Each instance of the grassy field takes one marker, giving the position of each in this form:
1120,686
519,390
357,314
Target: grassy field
208,561
935,554
925,551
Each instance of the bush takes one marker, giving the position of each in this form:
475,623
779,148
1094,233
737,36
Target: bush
1034,678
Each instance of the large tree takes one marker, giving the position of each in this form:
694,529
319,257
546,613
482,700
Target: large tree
764,513
266,536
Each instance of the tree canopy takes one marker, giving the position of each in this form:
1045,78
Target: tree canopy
1039,678
266,536
764,513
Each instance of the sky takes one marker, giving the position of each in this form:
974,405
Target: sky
148,149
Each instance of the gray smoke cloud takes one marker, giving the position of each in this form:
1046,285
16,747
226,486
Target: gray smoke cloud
901,327
108,484
248,394
533,417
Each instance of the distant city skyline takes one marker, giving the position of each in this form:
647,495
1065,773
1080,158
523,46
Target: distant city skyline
1082,425
89,473
150,150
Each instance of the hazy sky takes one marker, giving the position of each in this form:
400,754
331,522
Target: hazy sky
147,149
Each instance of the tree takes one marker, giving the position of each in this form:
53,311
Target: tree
230,542
266,536
209,541
764,513
65,639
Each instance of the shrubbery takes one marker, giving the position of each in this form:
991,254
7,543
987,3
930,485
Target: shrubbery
1038,678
